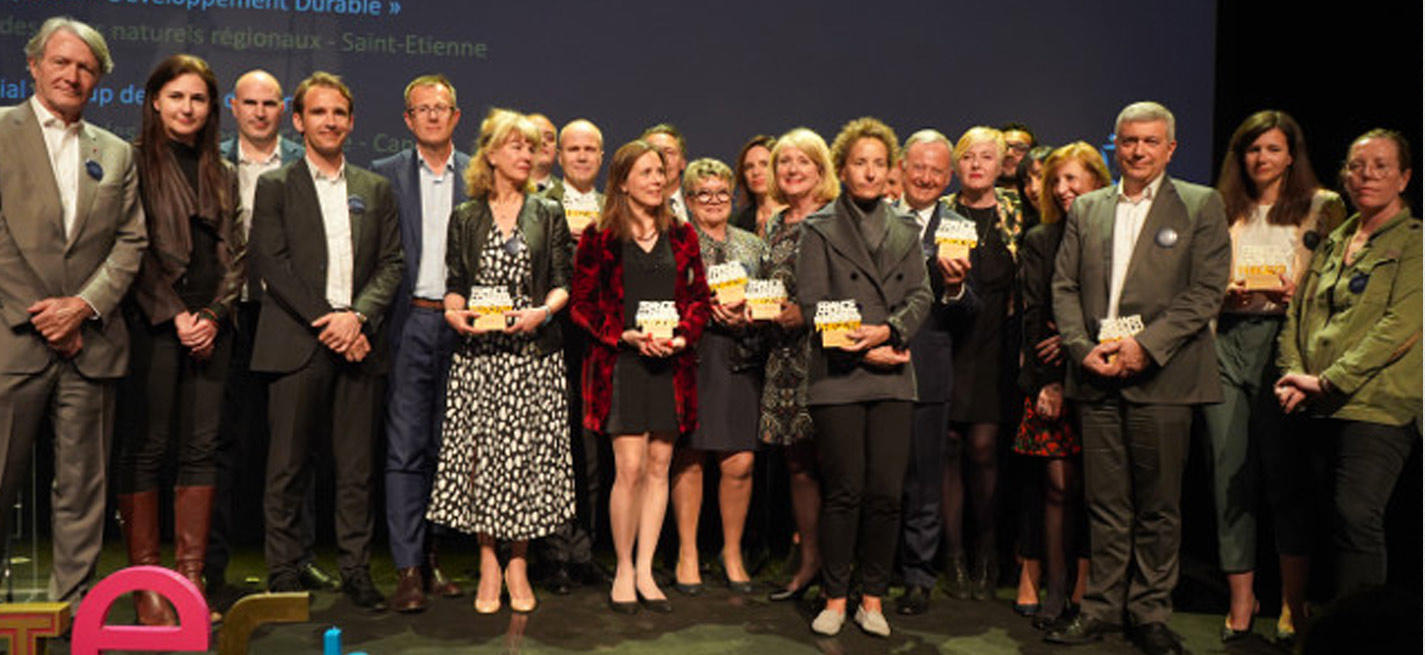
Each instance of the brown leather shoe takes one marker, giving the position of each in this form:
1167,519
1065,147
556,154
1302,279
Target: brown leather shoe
408,597
192,517
436,580
138,513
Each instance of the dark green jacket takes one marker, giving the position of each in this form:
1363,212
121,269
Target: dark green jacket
1358,326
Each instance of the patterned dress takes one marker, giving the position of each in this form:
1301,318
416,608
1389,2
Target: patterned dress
505,466
785,419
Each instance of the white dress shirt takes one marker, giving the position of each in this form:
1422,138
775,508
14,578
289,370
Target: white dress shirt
62,144
251,166
1128,218
437,196
336,219
679,206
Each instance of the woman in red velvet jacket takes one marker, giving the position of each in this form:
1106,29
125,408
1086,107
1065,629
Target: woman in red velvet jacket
638,388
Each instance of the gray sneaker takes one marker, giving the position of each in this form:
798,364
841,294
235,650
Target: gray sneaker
829,622
873,623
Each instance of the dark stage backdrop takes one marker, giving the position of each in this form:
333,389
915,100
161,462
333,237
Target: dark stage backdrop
720,71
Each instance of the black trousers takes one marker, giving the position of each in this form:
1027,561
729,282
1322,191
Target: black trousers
1134,456
174,398
1360,464
331,398
862,450
241,451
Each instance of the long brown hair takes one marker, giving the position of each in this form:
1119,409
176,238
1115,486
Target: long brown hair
617,209
1298,186
157,167
739,176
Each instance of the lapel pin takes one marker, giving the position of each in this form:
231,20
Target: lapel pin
1358,282
1311,240
355,204
1167,237
94,169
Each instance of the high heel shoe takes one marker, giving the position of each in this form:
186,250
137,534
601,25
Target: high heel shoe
787,592
488,606
629,607
1230,634
737,586
660,605
521,605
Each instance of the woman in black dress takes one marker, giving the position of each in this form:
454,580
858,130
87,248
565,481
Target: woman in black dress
753,180
183,295
983,371
639,388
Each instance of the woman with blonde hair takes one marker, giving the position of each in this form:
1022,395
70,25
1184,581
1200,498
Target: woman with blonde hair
804,180
505,471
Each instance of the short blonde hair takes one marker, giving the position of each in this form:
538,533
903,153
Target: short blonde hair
1077,151
814,147
979,134
702,169
864,127
497,128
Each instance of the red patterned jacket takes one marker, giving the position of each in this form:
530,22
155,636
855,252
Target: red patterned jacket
597,306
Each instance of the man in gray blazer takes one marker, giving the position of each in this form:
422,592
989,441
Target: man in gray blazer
326,237
428,183
71,236
1157,249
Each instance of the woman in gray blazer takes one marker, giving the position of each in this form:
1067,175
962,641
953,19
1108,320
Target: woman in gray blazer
861,395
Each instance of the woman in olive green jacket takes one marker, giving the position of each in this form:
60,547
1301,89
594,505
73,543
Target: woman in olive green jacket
1350,351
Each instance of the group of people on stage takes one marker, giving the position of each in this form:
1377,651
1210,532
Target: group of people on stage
499,325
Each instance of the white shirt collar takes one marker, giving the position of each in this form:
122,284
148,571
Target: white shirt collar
318,175
243,157
48,118
1149,192
425,166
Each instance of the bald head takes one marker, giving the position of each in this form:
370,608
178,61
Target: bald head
257,105
581,152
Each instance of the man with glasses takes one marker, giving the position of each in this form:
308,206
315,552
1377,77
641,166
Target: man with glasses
1018,140
427,181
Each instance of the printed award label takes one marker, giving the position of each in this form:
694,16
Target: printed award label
835,320
765,298
1261,267
728,282
955,238
490,305
657,318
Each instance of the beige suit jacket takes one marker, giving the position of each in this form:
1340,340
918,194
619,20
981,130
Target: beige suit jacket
1176,279
96,262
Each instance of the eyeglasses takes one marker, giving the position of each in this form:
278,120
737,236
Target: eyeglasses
1020,148
430,110
1373,170
707,197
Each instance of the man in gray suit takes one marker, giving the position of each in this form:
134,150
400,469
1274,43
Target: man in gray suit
1140,274
326,238
71,236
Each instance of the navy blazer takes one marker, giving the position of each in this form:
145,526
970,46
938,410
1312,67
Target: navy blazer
932,351
403,170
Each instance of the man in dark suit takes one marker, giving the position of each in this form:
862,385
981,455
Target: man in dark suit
71,236
569,550
925,173
326,237
258,148
428,183
541,172
1139,276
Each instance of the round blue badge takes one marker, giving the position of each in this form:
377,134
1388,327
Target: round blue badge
1311,240
1358,282
1167,237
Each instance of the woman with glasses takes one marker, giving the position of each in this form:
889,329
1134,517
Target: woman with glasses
729,386
1350,355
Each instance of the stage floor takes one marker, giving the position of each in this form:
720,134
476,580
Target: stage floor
715,622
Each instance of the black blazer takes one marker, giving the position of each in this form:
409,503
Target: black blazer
546,233
1036,278
290,246
932,349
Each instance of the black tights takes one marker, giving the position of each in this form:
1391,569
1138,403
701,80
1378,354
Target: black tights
971,451
1062,503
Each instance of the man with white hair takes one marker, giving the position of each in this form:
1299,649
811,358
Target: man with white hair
1139,276
71,237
